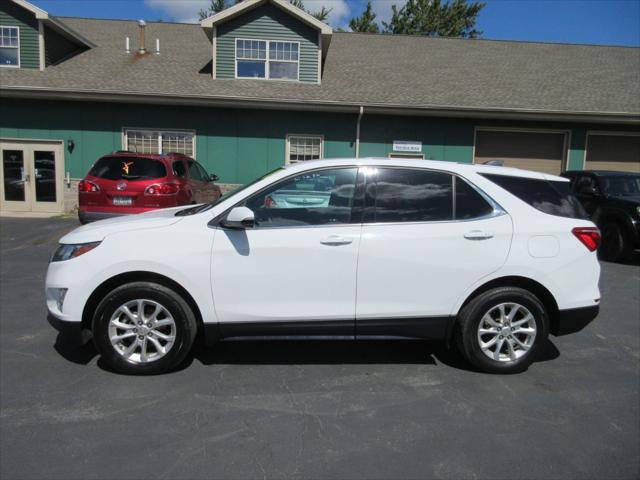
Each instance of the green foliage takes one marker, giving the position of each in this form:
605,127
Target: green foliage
445,18
366,22
320,15
215,7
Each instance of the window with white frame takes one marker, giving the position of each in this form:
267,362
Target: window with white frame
267,59
9,46
160,141
304,147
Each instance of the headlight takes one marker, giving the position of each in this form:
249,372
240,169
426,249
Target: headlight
68,251
638,210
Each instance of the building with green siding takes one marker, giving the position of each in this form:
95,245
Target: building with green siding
263,83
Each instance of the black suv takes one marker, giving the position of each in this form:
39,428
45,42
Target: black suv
612,199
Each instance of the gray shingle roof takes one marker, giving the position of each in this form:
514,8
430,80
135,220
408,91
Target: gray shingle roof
393,71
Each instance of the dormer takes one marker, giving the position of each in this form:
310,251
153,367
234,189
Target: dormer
31,38
267,40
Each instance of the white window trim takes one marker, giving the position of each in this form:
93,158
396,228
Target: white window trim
160,131
305,135
267,60
604,133
18,47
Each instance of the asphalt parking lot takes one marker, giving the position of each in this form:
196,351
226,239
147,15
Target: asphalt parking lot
312,409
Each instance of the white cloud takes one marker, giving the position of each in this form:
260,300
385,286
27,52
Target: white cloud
382,9
187,10
180,10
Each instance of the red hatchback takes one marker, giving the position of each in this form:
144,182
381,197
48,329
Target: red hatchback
123,183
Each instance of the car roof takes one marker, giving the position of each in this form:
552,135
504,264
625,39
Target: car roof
610,173
455,167
154,156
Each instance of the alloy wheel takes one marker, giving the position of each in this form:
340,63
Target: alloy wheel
142,331
507,332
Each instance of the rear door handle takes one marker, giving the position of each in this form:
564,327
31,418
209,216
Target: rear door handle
478,235
336,240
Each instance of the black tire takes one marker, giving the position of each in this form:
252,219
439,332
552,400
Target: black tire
472,313
184,319
615,246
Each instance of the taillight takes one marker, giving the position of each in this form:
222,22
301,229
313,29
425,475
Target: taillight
86,186
162,189
589,236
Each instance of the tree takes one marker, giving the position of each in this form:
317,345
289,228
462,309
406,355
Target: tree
445,18
215,7
366,22
321,15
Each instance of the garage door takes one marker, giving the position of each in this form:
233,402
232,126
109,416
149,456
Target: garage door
542,152
613,152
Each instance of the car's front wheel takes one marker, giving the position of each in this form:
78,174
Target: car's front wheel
501,330
143,328
615,246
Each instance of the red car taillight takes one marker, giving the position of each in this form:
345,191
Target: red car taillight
86,186
589,236
162,189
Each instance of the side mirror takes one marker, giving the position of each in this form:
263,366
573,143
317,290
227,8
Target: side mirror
213,177
239,218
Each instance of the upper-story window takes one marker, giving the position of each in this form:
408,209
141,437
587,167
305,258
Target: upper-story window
267,59
9,46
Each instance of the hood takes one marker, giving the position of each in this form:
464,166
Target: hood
97,231
626,200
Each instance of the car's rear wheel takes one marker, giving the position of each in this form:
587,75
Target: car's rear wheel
615,246
143,328
501,330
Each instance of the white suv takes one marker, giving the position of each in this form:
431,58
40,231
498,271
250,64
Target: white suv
493,257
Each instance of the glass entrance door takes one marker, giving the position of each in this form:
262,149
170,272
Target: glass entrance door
31,177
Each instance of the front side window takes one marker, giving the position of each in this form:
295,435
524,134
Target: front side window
408,195
9,46
267,59
304,147
194,171
313,198
159,141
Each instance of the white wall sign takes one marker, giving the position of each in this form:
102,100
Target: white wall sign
407,146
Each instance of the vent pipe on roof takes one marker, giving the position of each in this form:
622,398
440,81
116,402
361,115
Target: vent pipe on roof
141,25
127,46
157,46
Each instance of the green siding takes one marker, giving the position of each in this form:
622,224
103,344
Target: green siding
12,15
240,144
267,23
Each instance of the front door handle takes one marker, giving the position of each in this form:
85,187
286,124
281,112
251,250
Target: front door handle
478,235
336,240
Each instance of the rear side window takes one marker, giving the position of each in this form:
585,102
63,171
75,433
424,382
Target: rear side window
552,197
469,203
179,170
406,195
128,168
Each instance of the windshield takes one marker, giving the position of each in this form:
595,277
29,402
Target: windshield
621,185
128,168
207,206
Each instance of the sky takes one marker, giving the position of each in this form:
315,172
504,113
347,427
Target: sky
605,22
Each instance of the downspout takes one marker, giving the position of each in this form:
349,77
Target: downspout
358,131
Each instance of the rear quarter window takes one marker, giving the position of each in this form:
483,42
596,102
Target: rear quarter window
128,168
551,197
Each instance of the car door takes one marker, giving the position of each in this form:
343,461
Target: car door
208,189
427,237
298,264
196,182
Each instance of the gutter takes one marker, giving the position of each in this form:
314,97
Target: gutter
358,131
320,106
